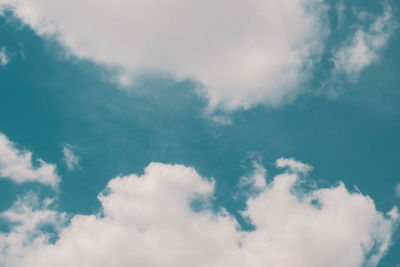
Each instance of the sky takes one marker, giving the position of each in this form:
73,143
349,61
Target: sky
199,133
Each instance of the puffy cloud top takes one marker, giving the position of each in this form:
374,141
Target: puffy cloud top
147,220
242,52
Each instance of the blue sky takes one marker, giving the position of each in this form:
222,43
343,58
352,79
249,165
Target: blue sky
106,98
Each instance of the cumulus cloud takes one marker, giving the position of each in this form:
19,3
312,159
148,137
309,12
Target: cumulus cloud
147,220
4,58
17,165
364,47
241,52
27,217
70,158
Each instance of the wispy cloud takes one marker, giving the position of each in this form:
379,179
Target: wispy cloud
340,10
397,190
4,58
364,47
70,158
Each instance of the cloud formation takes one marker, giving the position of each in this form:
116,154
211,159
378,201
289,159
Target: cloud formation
340,10
70,158
293,165
364,47
17,165
27,217
4,59
148,221
242,52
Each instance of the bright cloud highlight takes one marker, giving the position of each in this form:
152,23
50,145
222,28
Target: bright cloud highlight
17,165
147,220
242,53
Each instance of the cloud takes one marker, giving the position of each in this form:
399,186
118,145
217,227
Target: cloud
4,58
17,165
70,158
340,10
293,165
147,220
257,179
27,217
364,47
397,190
242,53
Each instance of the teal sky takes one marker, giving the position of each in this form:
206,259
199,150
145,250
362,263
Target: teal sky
50,98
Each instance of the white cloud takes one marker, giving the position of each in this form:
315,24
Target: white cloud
147,221
70,158
256,180
365,46
17,165
243,52
293,165
4,58
27,217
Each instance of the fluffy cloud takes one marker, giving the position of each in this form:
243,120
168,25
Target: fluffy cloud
17,165
364,47
70,158
148,220
4,59
27,217
242,52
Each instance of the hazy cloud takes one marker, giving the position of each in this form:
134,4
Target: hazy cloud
4,58
364,47
70,158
